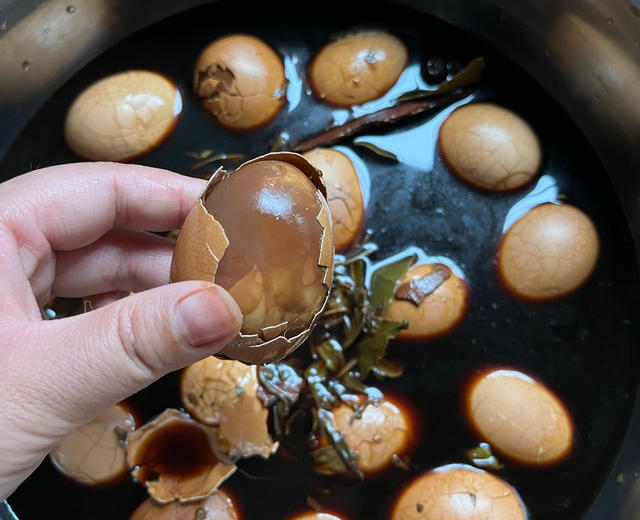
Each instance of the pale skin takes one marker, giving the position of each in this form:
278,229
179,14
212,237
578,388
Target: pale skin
75,231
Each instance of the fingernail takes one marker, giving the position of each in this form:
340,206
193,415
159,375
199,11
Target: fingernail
207,316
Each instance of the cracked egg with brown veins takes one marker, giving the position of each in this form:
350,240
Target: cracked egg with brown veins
263,233
240,80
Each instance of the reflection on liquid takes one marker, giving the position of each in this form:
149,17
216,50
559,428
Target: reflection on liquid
546,190
294,81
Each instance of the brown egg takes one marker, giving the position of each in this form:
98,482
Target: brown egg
94,454
490,147
519,417
264,234
344,194
315,515
442,308
217,506
224,394
549,252
380,433
458,492
241,81
358,68
177,458
122,116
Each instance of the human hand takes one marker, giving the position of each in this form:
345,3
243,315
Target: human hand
71,231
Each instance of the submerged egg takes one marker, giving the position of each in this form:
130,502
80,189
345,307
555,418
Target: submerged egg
490,147
177,458
264,234
122,116
431,298
217,506
458,492
344,194
94,453
223,394
549,252
241,81
358,68
519,417
381,432
315,515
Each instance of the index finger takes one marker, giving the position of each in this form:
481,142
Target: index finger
75,204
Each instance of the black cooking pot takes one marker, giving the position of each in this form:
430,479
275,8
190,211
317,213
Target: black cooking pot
586,53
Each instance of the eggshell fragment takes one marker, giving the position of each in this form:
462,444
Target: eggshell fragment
241,81
264,233
381,432
122,116
458,492
549,252
94,454
358,68
439,312
217,506
344,194
519,417
490,147
223,394
177,458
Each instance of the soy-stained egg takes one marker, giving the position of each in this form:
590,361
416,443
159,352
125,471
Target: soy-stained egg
519,417
549,252
458,492
122,116
223,394
431,298
217,506
94,454
263,233
240,80
376,435
358,68
490,147
344,194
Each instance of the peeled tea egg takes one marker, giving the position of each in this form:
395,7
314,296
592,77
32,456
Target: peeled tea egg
122,116
264,233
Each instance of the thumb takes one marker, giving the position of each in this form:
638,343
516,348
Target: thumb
91,361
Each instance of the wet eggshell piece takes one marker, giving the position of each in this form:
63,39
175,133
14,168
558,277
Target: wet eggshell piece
439,312
519,417
224,394
241,81
490,147
344,194
217,506
94,454
358,68
263,233
382,432
122,116
177,458
458,492
549,252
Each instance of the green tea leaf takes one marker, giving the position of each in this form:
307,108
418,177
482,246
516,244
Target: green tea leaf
376,149
467,76
330,351
372,348
482,457
386,368
354,323
338,444
385,279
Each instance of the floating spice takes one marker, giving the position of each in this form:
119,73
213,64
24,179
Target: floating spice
416,291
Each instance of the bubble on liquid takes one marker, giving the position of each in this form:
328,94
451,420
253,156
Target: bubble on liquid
71,9
26,65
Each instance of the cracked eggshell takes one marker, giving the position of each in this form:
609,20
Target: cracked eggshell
344,194
549,252
264,233
458,492
521,418
217,506
94,454
223,394
177,458
358,68
240,80
490,147
122,116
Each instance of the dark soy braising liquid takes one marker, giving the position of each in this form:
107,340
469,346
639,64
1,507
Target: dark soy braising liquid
582,346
